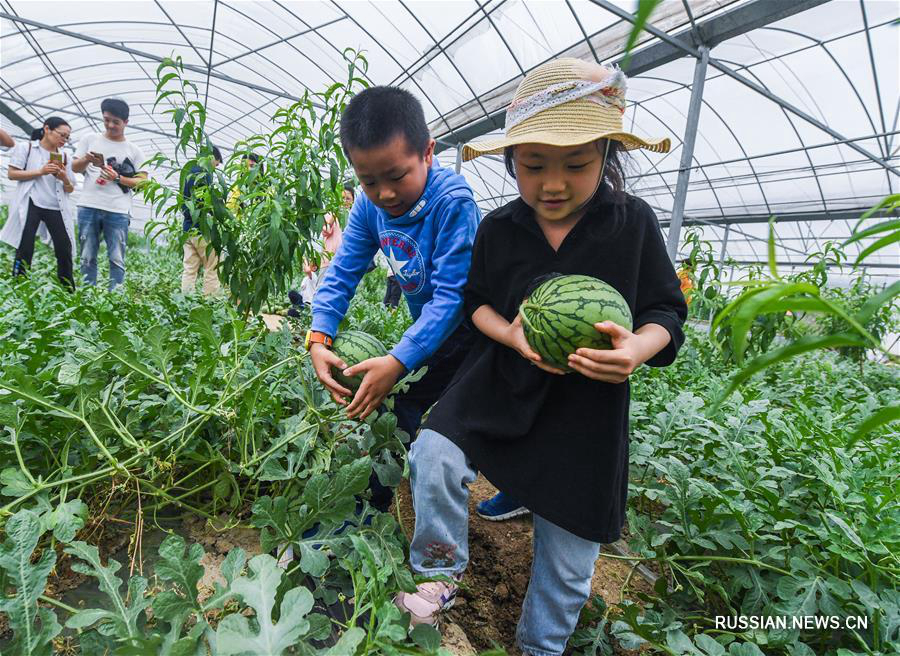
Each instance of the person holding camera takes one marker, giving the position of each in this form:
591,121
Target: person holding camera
44,179
112,169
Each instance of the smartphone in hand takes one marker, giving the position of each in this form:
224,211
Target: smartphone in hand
98,158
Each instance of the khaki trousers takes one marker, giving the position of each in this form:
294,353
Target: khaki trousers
194,257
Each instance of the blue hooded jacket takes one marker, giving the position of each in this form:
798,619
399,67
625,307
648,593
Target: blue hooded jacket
429,250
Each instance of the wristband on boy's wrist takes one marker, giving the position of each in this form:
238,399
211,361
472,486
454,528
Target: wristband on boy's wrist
316,337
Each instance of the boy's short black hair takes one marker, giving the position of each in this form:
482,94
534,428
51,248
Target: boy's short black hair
253,157
348,186
116,107
378,114
217,153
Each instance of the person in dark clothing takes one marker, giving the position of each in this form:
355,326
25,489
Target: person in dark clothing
196,249
392,293
558,443
44,177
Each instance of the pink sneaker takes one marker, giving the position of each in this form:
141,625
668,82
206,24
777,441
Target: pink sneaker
426,604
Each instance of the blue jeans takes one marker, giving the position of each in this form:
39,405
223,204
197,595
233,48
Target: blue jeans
563,563
114,226
409,407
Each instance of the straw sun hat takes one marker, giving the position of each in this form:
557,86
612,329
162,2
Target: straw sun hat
566,102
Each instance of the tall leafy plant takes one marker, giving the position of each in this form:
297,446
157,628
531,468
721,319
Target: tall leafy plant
262,220
773,294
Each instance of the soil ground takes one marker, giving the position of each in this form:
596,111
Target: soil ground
487,608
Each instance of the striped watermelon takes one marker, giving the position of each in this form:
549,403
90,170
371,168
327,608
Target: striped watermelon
559,316
354,346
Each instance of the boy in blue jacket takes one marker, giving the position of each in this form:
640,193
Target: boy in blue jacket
423,218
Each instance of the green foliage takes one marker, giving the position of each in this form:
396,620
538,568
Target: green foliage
236,637
183,402
707,296
880,320
33,628
122,620
262,220
849,326
889,229
762,506
641,18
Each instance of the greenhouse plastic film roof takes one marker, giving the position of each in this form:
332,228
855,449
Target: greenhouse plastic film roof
797,118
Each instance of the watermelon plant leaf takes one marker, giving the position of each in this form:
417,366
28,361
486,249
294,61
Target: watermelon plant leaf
799,595
230,568
348,642
15,483
33,628
389,473
426,637
744,649
313,561
123,618
234,634
180,568
67,519
709,646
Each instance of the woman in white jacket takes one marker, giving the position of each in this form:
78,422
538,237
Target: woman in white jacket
41,205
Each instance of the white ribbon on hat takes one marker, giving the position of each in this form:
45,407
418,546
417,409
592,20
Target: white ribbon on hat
610,93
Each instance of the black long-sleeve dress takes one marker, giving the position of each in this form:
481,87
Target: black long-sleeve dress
558,444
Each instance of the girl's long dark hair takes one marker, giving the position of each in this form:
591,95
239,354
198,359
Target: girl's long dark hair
51,124
613,172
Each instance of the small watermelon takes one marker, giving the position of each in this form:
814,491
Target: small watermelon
559,316
354,346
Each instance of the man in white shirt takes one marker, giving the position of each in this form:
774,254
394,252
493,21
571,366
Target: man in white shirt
112,168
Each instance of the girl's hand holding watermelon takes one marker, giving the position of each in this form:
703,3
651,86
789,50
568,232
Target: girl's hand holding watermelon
516,340
629,351
495,326
379,377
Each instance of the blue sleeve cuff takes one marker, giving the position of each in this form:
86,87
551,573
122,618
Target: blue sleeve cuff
410,354
325,322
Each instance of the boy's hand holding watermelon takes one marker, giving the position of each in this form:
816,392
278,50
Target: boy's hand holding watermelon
379,377
323,360
629,351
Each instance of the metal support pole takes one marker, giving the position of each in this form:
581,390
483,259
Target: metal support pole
687,152
624,15
721,264
15,119
724,247
459,149
152,57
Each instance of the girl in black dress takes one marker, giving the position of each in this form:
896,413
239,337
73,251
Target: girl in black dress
557,443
